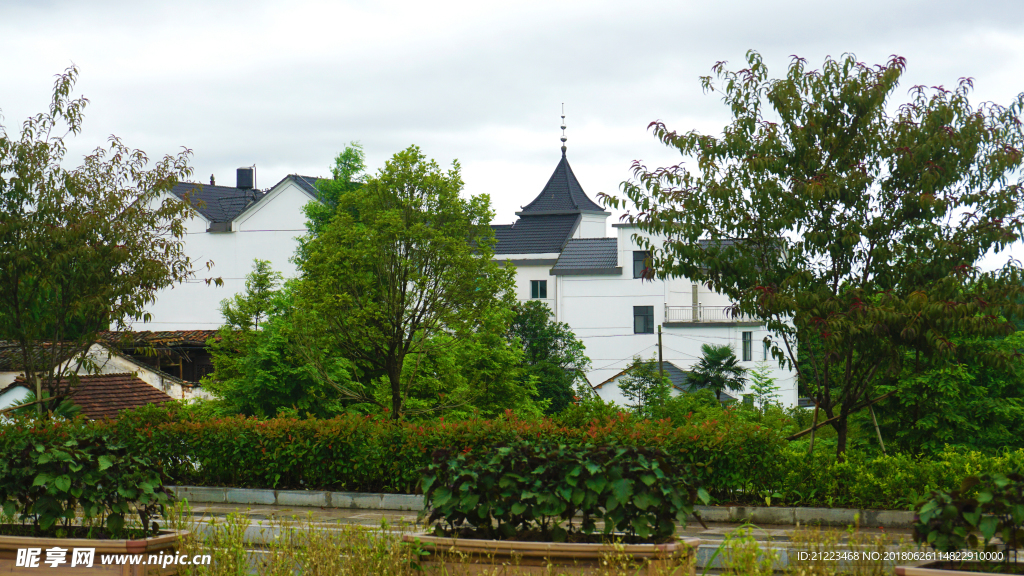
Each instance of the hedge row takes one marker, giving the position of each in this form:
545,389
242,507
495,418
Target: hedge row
737,461
366,454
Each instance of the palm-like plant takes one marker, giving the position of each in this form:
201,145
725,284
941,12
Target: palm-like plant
717,370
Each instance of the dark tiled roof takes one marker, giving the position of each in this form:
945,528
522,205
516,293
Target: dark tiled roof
106,395
159,338
588,254
307,183
217,203
44,353
562,194
535,234
676,375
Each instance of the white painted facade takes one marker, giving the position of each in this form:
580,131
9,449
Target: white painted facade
268,230
600,311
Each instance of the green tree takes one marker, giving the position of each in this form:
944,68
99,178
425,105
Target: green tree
717,370
84,247
644,387
963,403
347,175
257,369
404,260
246,311
552,354
763,386
825,209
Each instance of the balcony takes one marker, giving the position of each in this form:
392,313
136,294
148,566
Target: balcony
700,314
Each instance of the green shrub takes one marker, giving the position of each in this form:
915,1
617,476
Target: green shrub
51,469
991,504
534,486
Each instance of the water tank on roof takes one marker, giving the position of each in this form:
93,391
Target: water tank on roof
246,178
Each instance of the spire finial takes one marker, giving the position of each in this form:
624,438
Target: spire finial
563,129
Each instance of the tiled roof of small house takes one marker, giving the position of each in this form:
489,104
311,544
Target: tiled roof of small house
164,338
106,395
588,254
562,195
676,375
44,354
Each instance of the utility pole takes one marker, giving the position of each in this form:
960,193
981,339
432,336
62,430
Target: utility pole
661,361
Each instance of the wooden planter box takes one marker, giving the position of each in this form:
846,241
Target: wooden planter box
466,556
165,542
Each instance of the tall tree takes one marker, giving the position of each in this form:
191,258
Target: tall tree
257,369
717,370
552,353
405,259
825,207
81,248
347,175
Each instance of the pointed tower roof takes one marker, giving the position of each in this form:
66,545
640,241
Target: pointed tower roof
561,195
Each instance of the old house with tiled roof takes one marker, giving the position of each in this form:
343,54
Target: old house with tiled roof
232,227
106,395
592,282
102,358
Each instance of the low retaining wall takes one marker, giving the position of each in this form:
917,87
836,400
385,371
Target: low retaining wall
759,515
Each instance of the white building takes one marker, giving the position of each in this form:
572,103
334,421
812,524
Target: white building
593,283
232,227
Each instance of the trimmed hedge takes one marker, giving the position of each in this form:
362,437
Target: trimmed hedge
365,454
737,461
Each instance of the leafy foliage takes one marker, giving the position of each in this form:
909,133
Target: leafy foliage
257,369
991,505
823,214
964,403
552,353
347,175
83,247
534,485
403,269
717,370
644,387
51,470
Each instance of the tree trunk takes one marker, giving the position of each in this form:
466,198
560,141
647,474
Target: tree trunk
394,368
841,427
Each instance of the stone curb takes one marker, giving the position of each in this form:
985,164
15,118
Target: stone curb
758,515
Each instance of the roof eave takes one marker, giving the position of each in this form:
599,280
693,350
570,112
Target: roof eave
560,212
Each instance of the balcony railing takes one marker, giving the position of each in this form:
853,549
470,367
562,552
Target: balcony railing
701,313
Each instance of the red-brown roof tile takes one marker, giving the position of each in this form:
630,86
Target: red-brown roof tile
157,338
106,395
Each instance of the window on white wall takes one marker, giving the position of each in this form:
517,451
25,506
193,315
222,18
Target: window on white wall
643,319
748,341
640,258
538,288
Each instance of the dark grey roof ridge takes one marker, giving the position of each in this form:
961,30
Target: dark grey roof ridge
562,194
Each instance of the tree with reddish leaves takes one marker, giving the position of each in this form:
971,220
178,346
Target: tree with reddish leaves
827,210
81,248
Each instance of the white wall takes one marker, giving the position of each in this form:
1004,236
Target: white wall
600,311
592,226
268,232
13,396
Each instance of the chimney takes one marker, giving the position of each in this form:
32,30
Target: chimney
213,181
246,178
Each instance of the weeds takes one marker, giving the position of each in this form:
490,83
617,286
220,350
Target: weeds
293,546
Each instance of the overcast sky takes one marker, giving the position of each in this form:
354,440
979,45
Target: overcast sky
285,85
